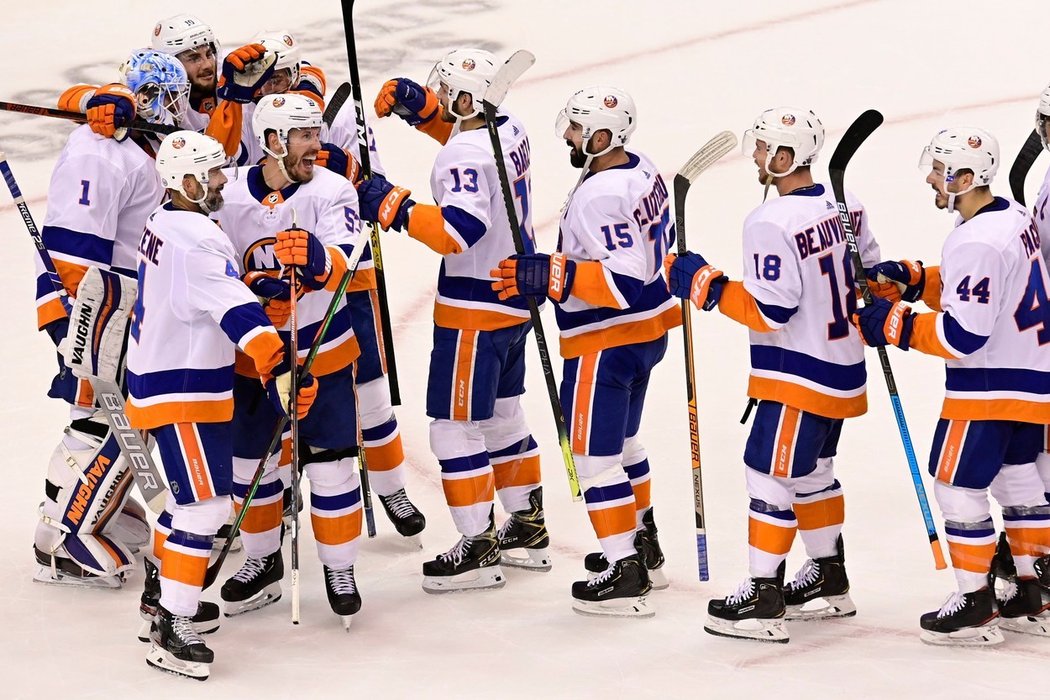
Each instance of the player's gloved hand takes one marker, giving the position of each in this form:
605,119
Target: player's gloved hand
339,161
300,248
884,323
909,278
384,203
279,391
407,99
111,110
534,275
244,71
267,286
691,277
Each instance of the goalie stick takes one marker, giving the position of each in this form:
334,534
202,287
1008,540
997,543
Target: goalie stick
1031,149
336,103
110,400
137,125
510,71
703,159
863,127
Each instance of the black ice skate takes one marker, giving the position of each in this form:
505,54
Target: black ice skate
63,570
256,585
1027,610
407,519
1002,575
1042,570
343,595
472,563
965,619
647,544
820,589
621,590
205,621
177,648
755,611
523,539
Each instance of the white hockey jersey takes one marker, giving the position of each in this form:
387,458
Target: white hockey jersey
326,207
617,228
192,311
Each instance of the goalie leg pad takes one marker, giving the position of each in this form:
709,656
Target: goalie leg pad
98,326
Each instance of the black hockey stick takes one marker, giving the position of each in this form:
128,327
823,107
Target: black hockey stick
863,127
342,93
366,171
510,71
137,125
1031,149
702,160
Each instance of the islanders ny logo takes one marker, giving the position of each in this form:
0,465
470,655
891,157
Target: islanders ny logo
278,102
178,142
468,64
788,120
974,141
610,101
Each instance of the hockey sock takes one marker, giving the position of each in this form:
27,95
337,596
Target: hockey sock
469,487
160,535
261,527
517,472
182,571
1028,533
335,511
612,513
385,456
770,533
639,475
820,516
971,546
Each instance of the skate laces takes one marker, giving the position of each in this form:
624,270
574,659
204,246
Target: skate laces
808,574
953,604
250,569
398,503
183,628
1008,591
742,593
342,580
457,553
506,526
602,577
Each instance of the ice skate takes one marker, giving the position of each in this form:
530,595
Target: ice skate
965,619
1042,570
177,648
820,590
407,519
205,621
754,611
647,544
619,591
1027,610
523,539
472,564
59,569
256,585
343,595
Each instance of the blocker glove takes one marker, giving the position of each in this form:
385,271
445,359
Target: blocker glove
691,277
884,323
111,110
384,203
408,100
534,275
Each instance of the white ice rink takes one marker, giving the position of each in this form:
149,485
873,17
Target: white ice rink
694,68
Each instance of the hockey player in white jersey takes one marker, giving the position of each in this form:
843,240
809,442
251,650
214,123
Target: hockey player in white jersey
614,312
477,367
282,212
101,192
990,323
191,314
807,376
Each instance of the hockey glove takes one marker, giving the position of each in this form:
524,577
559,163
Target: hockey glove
909,278
279,391
534,275
339,162
244,71
298,247
266,286
384,203
693,278
884,323
111,110
408,100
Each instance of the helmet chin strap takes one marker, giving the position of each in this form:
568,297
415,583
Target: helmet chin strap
279,157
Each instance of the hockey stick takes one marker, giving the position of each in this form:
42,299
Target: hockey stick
510,71
855,135
336,103
366,173
137,125
703,159
107,393
1031,149
366,490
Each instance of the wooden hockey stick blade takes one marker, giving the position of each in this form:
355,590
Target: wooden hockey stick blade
1026,157
519,62
708,155
855,135
342,94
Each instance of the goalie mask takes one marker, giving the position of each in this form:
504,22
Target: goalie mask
160,86
786,127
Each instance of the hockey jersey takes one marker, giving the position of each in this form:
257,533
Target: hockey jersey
100,194
327,207
995,319
192,311
617,228
797,297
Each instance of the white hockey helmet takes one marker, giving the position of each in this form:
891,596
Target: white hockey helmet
461,71
286,49
596,108
160,85
962,148
1042,116
282,113
786,127
181,33
188,153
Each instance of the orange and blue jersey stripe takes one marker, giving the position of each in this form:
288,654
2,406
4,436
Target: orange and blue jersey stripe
645,318
468,303
806,382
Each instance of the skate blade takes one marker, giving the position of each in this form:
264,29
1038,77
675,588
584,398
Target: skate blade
758,630
617,607
534,559
44,574
658,578
162,660
1038,625
822,609
488,577
267,596
347,620
983,636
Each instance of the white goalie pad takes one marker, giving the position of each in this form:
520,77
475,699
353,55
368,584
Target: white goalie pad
98,325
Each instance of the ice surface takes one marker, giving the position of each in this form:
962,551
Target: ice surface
694,69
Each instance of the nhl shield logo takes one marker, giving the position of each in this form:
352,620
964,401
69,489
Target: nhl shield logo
178,142
788,120
272,198
974,141
278,102
468,64
610,101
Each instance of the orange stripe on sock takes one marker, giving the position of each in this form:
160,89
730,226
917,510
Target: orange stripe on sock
612,521
951,450
581,406
523,471
783,453
769,538
159,538
1028,541
340,530
382,458
818,514
972,557
642,499
184,568
261,517
460,493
